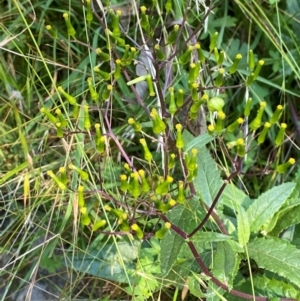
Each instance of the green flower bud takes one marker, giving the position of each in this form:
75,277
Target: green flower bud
70,99
103,74
219,78
127,168
147,153
211,129
117,72
52,31
125,55
100,144
124,183
145,185
50,117
173,35
201,56
106,93
172,161
168,6
98,131
61,118
221,58
262,136
283,167
115,22
192,161
158,125
161,233
94,94
194,71
251,60
195,95
81,202
83,175
257,69
172,105
220,122
215,104
138,231
276,114
185,58
103,56
59,131
121,215
235,64
99,224
159,53
85,219
150,85
256,123
117,40
180,199
131,56
70,28
248,107
144,19
163,188
60,185
280,136
250,79
87,122
213,41
136,125
179,98
216,53
89,12
75,110
124,226
240,144
134,186
179,139
235,125
63,175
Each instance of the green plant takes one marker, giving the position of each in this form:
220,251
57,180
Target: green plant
167,212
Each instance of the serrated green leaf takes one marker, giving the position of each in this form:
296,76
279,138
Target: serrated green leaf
277,256
197,142
225,264
274,287
194,285
172,242
264,207
243,226
234,197
286,219
208,180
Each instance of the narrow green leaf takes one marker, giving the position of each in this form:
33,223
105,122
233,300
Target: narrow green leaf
264,207
171,243
225,263
277,256
243,226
